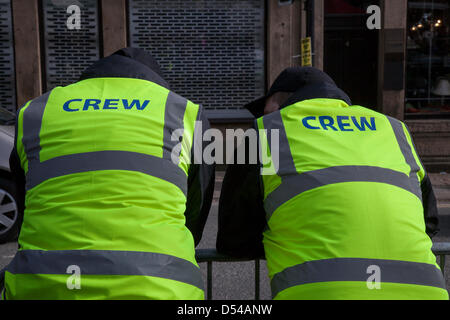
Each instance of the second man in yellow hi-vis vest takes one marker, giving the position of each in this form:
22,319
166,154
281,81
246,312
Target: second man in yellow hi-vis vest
113,206
339,203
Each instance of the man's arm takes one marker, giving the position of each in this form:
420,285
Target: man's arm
429,207
201,178
429,202
241,211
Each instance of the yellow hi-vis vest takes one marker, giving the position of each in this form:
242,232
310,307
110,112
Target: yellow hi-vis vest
106,184
344,206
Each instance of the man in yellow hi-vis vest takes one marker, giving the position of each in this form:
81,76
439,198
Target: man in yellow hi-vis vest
339,203
113,206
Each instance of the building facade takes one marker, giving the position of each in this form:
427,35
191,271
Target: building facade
392,56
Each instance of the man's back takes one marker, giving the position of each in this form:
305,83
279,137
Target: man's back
346,197
106,192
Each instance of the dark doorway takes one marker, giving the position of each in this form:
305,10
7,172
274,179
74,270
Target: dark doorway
351,50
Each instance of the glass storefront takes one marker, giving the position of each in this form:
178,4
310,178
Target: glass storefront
428,59
7,76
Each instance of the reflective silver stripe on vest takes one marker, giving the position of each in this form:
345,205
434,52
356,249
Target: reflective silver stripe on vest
107,262
294,185
106,160
286,165
355,269
162,168
173,120
405,148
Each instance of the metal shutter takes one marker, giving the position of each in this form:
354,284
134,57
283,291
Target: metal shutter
69,52
212,52
7,79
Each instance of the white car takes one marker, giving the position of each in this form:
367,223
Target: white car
9,213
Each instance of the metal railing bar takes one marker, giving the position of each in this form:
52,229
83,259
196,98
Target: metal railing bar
205,255
441,249
257,279
211,255
209,280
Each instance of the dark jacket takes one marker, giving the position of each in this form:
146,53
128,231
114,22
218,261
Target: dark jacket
242,218
135,63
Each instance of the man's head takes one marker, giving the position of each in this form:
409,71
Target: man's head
297,84
275,101
141,56
127,63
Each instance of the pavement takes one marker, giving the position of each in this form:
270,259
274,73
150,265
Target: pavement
235,280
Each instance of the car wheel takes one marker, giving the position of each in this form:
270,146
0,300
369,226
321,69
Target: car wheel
9,212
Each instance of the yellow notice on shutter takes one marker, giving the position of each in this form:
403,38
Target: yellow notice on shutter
306,52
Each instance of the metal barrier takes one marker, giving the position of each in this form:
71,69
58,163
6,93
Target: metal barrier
208,256
211,255
441,249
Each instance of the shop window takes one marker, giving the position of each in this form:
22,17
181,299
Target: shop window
347,6
428,59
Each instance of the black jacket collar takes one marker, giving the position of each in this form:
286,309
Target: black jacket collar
317,91
118,66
